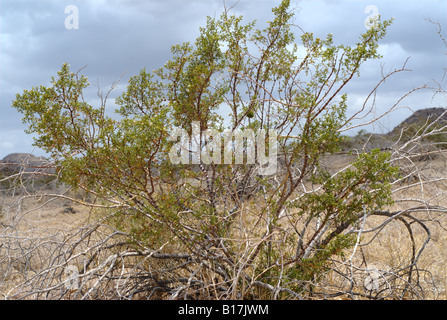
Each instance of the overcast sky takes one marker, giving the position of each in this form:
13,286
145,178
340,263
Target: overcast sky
121,37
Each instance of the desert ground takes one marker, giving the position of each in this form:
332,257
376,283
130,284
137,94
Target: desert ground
50,221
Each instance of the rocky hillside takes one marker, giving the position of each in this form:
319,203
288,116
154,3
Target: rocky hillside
403,132
420,118
23,162
29,165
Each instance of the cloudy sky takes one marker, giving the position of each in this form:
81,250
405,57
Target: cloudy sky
118,38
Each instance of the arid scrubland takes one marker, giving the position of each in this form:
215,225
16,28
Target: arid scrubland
50,234
120,212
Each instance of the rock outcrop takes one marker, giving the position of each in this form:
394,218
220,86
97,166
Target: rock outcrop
422,117
25,163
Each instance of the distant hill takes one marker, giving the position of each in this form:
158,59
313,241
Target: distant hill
23,162
28,165
403,132
420,118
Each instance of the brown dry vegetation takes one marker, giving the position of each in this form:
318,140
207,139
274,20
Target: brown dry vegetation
44,235
424,193
312,230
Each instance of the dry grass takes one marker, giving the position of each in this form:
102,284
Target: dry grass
42,217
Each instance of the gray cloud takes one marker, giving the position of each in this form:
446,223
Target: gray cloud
116,37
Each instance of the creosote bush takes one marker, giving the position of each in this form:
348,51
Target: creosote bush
222,230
